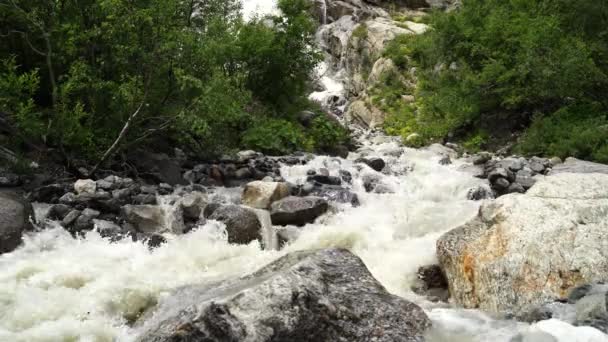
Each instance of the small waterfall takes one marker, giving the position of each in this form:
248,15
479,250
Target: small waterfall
324,12
270,240
171,207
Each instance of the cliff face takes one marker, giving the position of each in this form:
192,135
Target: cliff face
354,36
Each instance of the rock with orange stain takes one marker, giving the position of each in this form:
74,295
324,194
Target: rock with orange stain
526,249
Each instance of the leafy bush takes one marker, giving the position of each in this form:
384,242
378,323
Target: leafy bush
575,131
325,134
274,136
507,60
72,78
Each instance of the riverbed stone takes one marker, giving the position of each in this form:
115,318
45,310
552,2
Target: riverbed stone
261,195
15,213
308,296
242,224
526,249
297,210
144,218
85,186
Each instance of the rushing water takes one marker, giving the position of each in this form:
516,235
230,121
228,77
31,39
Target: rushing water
57,288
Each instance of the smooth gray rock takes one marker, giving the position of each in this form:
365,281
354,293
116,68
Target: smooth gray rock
573,165
308,296
480,193
85,220
15,213
525,250
242,224
193,205
376,164
145,218
297,210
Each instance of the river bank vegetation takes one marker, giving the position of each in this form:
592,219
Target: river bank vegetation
90,79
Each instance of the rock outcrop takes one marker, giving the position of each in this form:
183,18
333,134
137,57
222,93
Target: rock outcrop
15,213
524,250
324,295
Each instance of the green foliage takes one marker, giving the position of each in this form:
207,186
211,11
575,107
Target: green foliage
74,72
573,131
325,134
360,31
507,60
475,142
274,136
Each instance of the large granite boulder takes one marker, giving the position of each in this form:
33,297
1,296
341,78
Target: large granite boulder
324,295
524,250
15,213
261,195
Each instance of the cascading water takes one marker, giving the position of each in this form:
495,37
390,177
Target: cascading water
57,288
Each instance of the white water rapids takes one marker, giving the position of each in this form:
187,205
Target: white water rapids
57,288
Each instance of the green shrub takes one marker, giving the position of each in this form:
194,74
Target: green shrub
326,134
274,136
507,60
579,131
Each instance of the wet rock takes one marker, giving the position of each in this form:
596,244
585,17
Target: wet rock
516,188
592,309
480,193
330,180
573,165
85,220
309,296
481,158
85,186
144,218
58,211
105,185
533,336
121,194
47,193
210,208
262,194
431,284
512,164
155,241
70,218
376,164
555,161
525,178
537,166
193,205
525,250
9,180
242,224
445,160
306,117
15,213
297,211
244,156
107,229
500,172
149,199
243,173
346,176
335,194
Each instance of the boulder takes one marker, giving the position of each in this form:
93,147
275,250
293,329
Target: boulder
193,205
573,165
85,186
524,250
85,220
242,224
308,296
480,192
376,164
15,215
323,179
144,218
261,195
297,210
